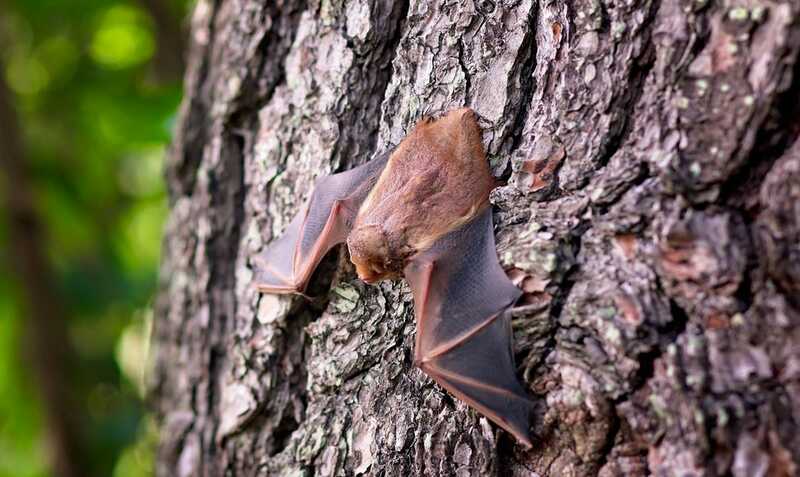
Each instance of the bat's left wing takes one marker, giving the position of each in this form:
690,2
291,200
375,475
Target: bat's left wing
463,336
288,262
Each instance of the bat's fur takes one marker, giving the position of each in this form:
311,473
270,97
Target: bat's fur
436,180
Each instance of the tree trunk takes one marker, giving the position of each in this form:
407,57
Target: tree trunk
651,155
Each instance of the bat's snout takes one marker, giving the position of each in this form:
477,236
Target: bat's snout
368,272
371,279
368,251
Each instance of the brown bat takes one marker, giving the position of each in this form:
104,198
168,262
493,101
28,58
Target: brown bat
422,211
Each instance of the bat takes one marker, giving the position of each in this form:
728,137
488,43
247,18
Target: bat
421,211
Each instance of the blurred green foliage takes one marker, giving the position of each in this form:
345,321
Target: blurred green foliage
96,118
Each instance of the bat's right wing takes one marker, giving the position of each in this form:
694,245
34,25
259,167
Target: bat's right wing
288,263
463,335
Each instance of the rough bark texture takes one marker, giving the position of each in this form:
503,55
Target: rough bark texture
651,212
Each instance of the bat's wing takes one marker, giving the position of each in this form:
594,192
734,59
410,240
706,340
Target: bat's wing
288,262
463,335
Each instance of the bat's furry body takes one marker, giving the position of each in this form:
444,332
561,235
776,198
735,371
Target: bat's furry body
436,179
422,212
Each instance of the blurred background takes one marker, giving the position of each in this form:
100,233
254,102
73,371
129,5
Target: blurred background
88,96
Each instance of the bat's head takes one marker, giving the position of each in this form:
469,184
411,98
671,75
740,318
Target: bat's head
374,254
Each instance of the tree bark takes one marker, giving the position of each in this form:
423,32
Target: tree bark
652,166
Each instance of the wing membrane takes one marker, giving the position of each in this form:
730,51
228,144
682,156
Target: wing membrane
463,336
288,262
